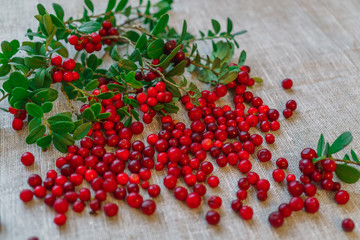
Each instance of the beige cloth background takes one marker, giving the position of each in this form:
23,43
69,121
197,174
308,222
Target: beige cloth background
316,43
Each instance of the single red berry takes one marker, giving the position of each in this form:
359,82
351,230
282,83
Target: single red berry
263,184
276,219
342,197
285,209
40,191
27,159
148,207
296,203
154,190
61,205
193,200
287,113
73,40
287,83
17,124
69,64
295,188
329,165
264,155
214,202
311,205
26,195
290,178
78,206
269,138
56,60
348,225
236,205
252,178
278,175
134,200
111,209
212,217
282,163
213,181
262,195
246,212
60,219
291,104
310,189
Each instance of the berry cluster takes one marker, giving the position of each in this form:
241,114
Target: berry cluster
320,173
19,117
90,43
108,30
63,71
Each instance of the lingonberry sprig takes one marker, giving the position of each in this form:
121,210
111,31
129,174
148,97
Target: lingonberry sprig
145,51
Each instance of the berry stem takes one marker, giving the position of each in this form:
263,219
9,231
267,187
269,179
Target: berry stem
3,97
80,90
205,67
344,161
47,125
68,99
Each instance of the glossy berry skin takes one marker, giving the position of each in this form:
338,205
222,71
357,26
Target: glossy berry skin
60,219
282,163
213,181
180,193
26,195
348,225
264,155
214,202
291,104
287,83
193,200
263,184
342,197
278,175
134,200
287,113
61,205
148,207
27,159
311,205
295,188
154,190
276,219
246,212
111,209
285,210
212,217
296,203
56,60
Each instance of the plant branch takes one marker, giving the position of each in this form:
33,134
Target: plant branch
344,161
205,67
3,97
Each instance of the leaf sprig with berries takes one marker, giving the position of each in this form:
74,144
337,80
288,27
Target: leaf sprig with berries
144,49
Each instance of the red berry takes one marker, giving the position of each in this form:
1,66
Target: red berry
285,209
291,104
111,209
246,212
287,113
282,163
213,181
276,219
269,138
193,200
17,124
296,203
342,197
170,181
134,200
278,175
73,40
69,64
264,155
212,217
60,219
107,24
27,159
148,207
295,188
263,184
348,225
236,205
40,191
26,195
311,205
214,202
287,83
328,165
56,60
180,193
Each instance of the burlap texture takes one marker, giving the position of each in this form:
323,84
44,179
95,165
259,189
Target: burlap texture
313,42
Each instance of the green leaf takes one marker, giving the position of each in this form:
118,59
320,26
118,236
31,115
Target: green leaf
57,22
320,145
141,42
171,108
121,5
111,5
318,159
47,107
341,142
171,88
216,26
34,123
178,69
81,131
105,95
34,110
347,173
20,93
89,114
35,134
61,141
326,150
228,78
112,86
41,9
44,95
128,122
90,27
44,141
90,5
160,25
354,157
130,79
115,54
59,11
34,62
9,49
132,102
229,26
49,26
183,32
92,62
239,33
103,115
63,126
92,85
155,49
346,157
258,80
127,65
242,58
135,114
164,64
59,117
96,108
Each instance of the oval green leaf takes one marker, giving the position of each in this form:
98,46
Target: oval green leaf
34,110
347,173
35,134
82,131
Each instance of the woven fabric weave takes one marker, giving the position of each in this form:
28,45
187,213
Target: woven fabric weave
316,43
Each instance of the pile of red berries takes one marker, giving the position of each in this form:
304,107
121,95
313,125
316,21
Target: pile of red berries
108,30
90,43
19,117
63,71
